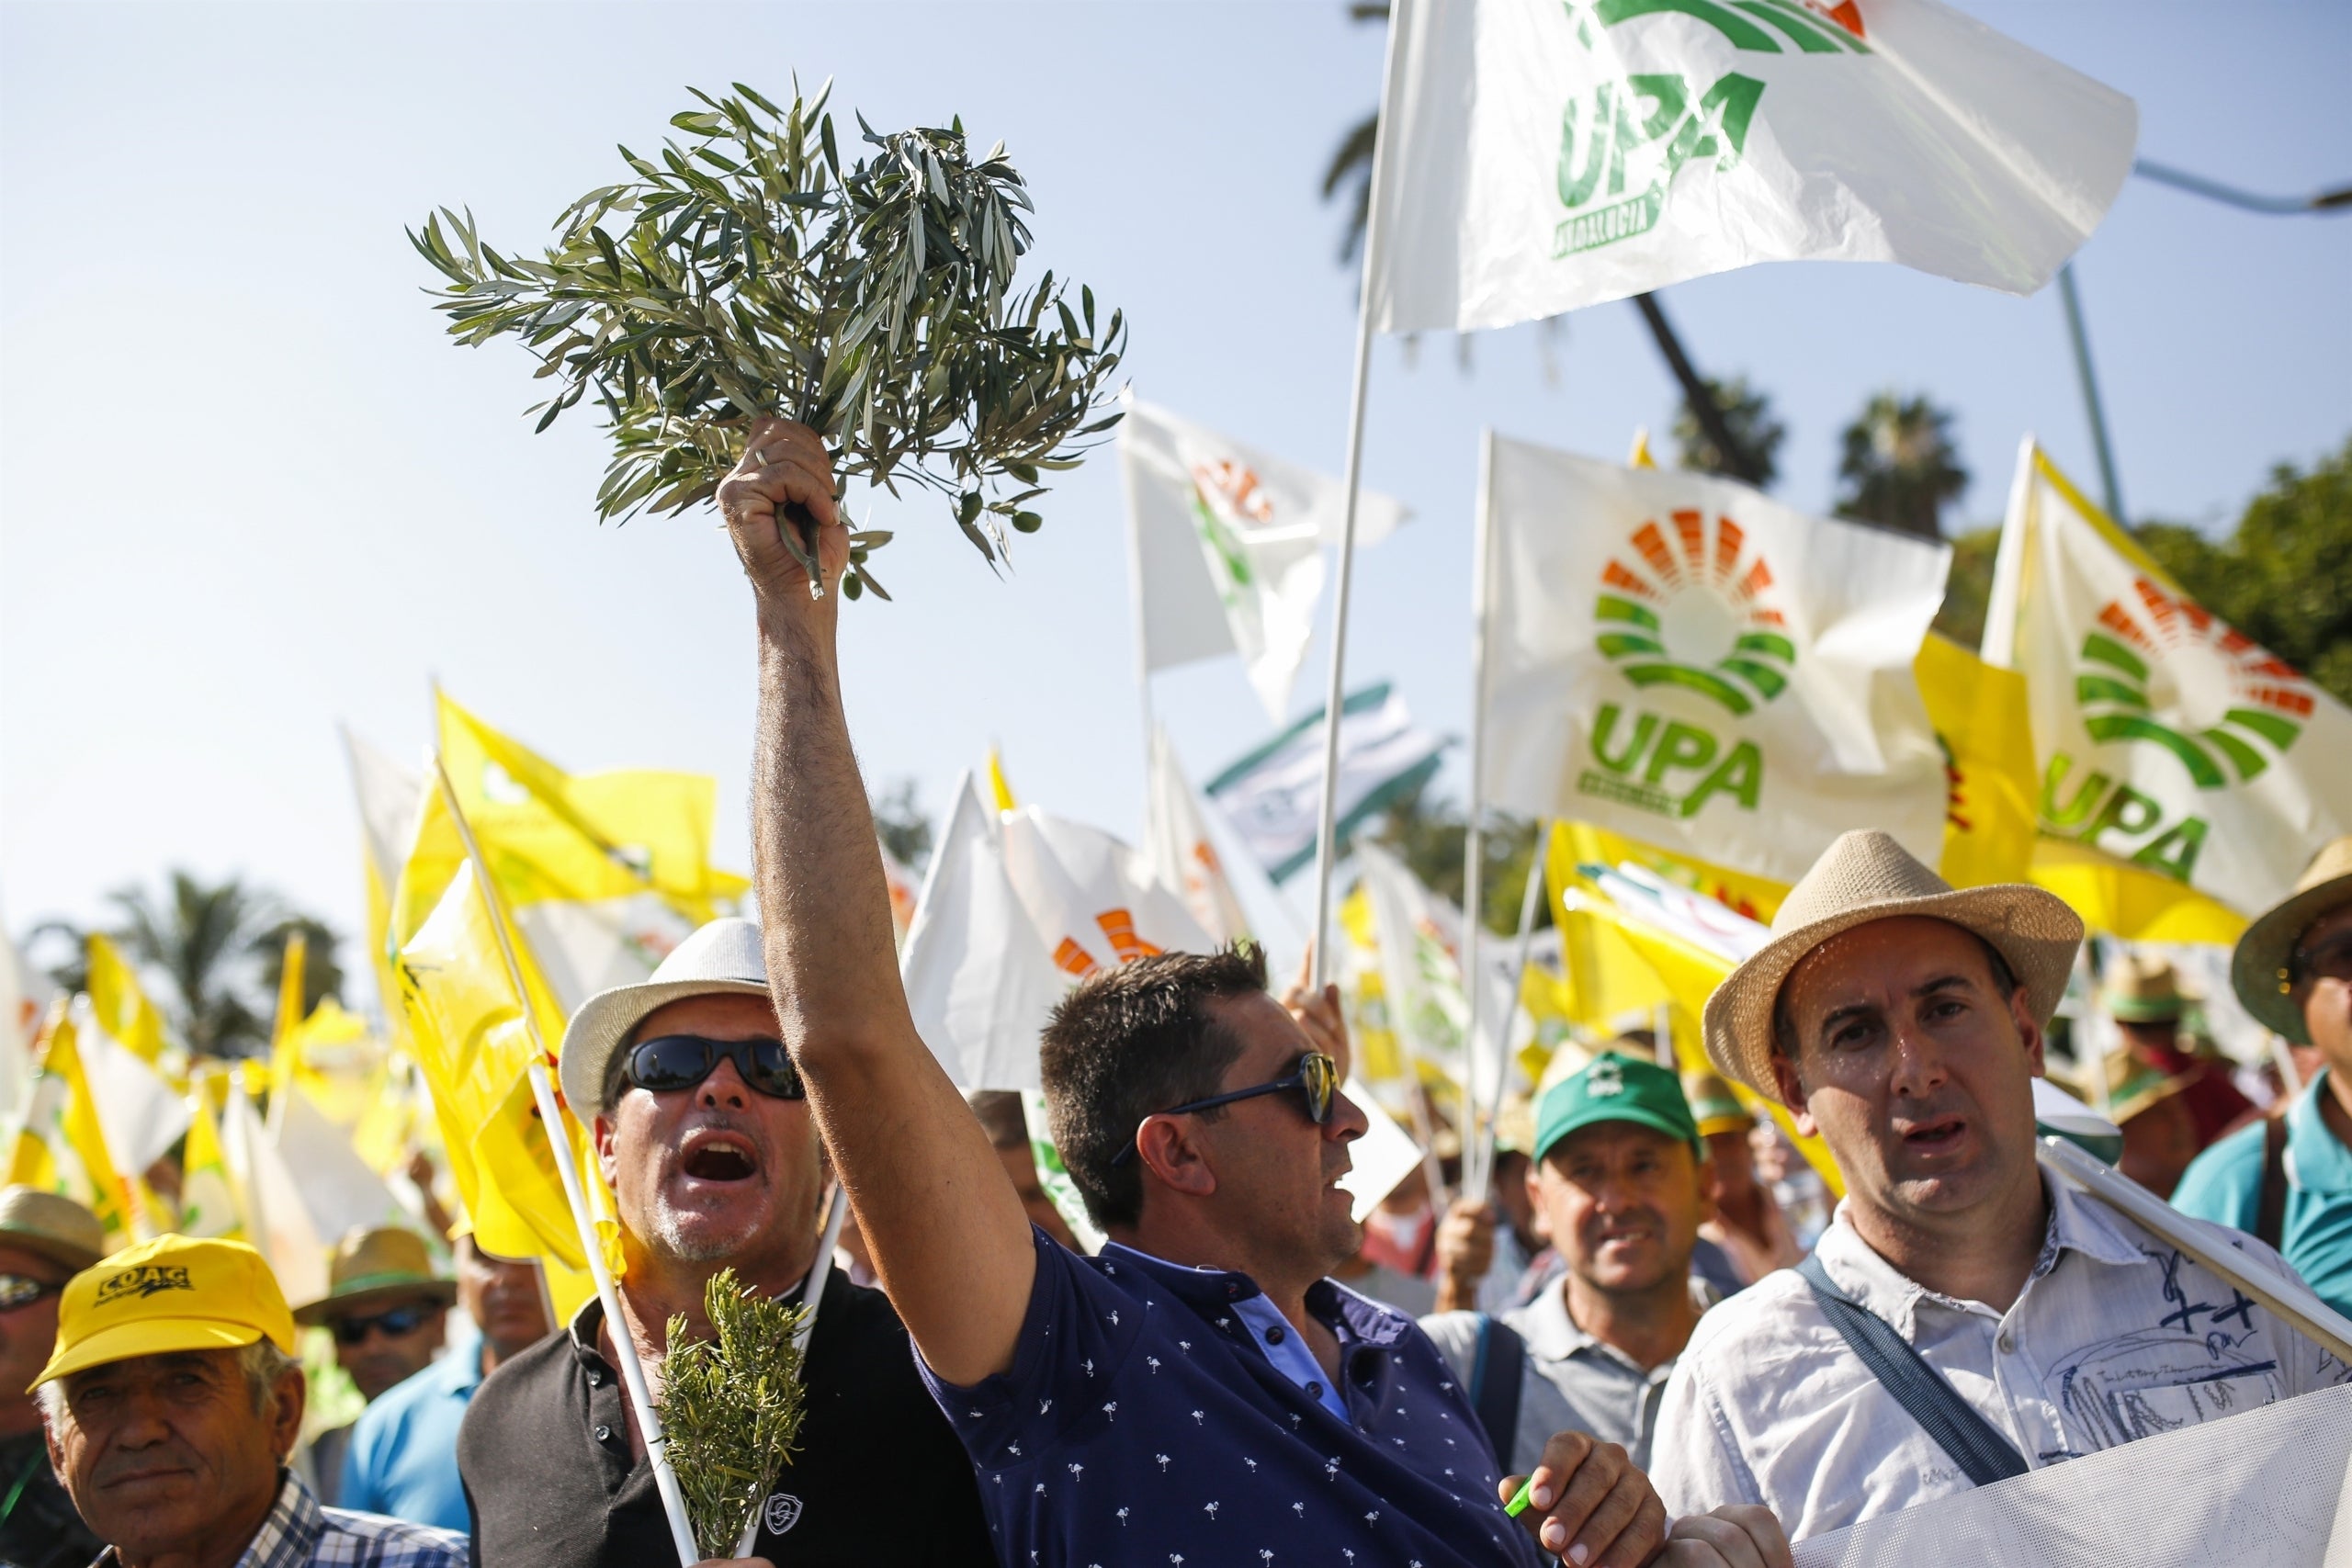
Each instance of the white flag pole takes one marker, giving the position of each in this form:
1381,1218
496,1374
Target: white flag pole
1473,840
2284,1298
1135,591
1327,824
640,1396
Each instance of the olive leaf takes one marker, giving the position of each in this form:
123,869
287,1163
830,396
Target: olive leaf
730,1406
745,272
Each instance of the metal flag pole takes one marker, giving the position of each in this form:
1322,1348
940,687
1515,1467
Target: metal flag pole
2080,337
641,1395
1327,821
1473,839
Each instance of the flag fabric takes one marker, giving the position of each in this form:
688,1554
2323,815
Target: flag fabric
1019,906
389,797
1177,842
338,1189
1683,660
1425,1000
1228,546
140,1115
1991,785
1535,158
2172,745
63,1146
208,1192
276,1223
118,1003
1272,796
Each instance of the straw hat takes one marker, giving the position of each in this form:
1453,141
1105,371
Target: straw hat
2258,967
2143,989
57,1228
1867,876
373,1267
2132,1086
724,957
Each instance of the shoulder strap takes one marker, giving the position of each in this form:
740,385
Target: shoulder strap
1495,1372
1975,1445
2270,1210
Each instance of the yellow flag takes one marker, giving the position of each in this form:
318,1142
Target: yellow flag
207,1197
65,1119
1980,720
1379,1058
122,1008
999,788
466,1028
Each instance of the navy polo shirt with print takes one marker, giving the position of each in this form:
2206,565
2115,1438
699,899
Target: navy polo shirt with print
1143,1422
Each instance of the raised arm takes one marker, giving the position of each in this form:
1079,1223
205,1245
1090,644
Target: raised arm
949,1239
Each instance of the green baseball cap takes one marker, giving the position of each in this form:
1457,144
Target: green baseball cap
1615,1086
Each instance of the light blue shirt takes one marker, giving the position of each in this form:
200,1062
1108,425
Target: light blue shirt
2224,1185
403,1456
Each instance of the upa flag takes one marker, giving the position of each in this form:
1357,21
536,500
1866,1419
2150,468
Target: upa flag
1990,785
1537,157
1682,659
2170,741
1272,797
1228,546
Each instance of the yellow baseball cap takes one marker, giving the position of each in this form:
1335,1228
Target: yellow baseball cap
172,1293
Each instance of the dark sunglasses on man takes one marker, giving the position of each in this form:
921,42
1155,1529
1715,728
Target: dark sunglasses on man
671,1062
22,1289
397,1323
1317,1077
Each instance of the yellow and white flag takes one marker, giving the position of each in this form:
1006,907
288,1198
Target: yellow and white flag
1683,660
2171,744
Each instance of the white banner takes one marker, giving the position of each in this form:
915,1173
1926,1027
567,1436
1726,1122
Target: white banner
1272,797
1685,660
2167,738
1538,156
1183,856
1228,546
2271,1486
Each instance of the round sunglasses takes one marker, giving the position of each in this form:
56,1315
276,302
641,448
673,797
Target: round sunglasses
1317,1077
671,1062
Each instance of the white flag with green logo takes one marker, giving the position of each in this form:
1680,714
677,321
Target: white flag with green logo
1541,155
1273,797
2167,738
1685,660
1228,546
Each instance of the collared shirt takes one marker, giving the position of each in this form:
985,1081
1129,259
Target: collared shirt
2224,1185
403,1455
2116,1336
875,1478
300,1534
1143,1420
1569,1382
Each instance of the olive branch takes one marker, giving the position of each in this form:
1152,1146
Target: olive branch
752,274
731,1406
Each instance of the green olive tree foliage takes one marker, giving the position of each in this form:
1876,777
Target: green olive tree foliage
749,272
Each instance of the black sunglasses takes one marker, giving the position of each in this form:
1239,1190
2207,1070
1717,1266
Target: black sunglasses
23,1290
672,1062
396,1323
1316,1076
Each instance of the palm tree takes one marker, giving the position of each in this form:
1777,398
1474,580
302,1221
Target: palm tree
221,947
1747,417
1900,466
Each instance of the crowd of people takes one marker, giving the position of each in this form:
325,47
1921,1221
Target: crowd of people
1631,1332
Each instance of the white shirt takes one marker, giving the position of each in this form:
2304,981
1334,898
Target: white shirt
2116,1336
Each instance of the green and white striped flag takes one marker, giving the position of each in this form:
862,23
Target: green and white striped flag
1271,795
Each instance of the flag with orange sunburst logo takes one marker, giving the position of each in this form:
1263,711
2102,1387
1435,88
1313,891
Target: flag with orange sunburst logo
1683,660
2172,746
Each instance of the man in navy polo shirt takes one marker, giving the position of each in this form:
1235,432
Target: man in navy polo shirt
1200,1393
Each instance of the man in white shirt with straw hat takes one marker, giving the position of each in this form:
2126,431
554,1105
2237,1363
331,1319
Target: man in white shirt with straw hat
1958,1293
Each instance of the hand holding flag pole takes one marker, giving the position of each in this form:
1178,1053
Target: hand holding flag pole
640,1396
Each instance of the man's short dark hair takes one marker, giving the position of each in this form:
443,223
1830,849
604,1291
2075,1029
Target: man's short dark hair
1785,1028
1130,1043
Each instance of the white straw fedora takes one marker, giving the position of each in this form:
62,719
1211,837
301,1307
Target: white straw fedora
721,958
1867,876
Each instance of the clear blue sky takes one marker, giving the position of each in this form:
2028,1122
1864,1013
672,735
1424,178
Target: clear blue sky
248,489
